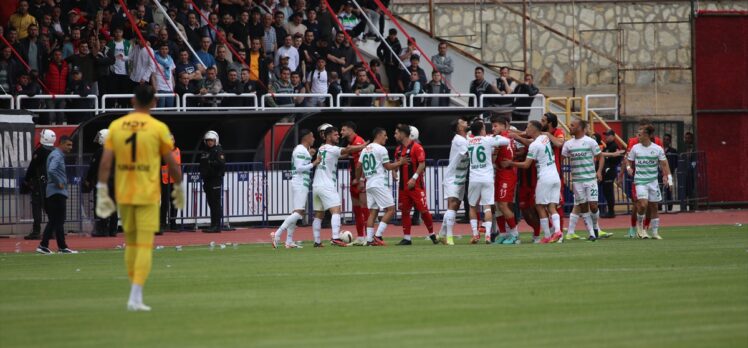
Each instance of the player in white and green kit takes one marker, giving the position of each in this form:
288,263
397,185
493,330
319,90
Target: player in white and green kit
374,165
646,156
582,152
301,181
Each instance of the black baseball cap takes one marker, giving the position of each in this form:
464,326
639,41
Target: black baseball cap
610,132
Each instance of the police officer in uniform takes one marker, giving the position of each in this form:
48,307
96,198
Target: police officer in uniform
35,180
212,169
168,210
103,227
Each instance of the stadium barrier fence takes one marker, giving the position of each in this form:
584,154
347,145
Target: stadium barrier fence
257,193
246,101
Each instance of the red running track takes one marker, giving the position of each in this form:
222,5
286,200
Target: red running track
262,234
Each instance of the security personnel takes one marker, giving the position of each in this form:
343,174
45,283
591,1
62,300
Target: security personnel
103,227
168,210
212,169
35,180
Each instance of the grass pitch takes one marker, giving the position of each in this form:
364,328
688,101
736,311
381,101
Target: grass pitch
688,290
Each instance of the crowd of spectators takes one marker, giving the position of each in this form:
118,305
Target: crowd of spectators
90,48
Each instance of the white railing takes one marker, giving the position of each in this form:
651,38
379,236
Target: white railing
296,95
372,95
538,101
613,108
106,97
242,96
21,98
12,100
426,96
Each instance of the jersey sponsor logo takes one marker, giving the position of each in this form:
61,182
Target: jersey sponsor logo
133,167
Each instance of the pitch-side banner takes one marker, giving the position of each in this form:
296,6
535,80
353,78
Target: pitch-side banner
16,139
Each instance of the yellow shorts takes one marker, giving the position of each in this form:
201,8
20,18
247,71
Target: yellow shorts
139,218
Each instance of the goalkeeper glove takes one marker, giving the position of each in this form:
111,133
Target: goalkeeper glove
177,195
105,206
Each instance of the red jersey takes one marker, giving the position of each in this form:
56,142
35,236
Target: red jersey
505,153
417,155
558,133
635,140
357,140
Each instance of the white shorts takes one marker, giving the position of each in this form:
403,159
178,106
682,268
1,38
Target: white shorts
454,191
480,193
379,198
548,192
299,197
585,192
324,198
650,192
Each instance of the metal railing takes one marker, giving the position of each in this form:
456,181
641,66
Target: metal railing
259,193
245,98
327,96
11,100
21,98
425,97
588,109
373,96
106,97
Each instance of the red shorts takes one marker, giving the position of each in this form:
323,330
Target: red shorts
416,197
504,189
526,197
355,192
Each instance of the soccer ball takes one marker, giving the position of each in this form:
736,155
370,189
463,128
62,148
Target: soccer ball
346,236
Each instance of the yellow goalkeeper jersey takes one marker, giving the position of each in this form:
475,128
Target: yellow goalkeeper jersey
138,141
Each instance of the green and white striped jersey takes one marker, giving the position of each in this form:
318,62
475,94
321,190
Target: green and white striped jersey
301,167
646,161
581,154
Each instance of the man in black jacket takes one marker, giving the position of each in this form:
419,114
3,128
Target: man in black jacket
212,169
35,180
436,86
391,61
32,50
102,226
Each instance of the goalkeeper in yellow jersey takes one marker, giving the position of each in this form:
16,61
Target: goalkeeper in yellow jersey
136,144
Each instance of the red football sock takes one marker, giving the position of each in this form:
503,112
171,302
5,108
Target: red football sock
359,222
560,210
535,229
406,222
633,219
646,223
428,220
512,222
501,224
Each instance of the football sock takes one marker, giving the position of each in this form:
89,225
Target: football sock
317,229
544,226
428,220
595,219
289,236
335,223
369,234
560,211
474,226
380,229
290,220
488,225
588,221
573,218
633,219
655,225
501,224
360,222
647,222
556,220
406,237
449,219
405,218
136,294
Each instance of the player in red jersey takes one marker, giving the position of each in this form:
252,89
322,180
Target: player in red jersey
505,184
557,136
527,179
643,123
358,197
411,186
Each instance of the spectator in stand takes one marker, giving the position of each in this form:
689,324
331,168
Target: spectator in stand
312,23
204,53
480,86
70,44
443,62
210,85
266,7
306,53
270,70
165,85
11,35
21,19
143,69
283,86
282,64
163,37
336,55
256,60
207,29
505,83
349,55
298,88
120,49
38,8
103,61
362,86
375,15
186,85
414,88
269,38
285,9
525,88
86,64
279,20
56,195
206,10
334,88
350,20
185,65
78,86
672,160
316,82
287,50
223,64
56,82
227,20
391,60
30,49
410,50
255,24
299,6
406,75
248,86
374,65
45,25
173,16
233,85
437,86
27,86
192,29
238,35
295,26
9,71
